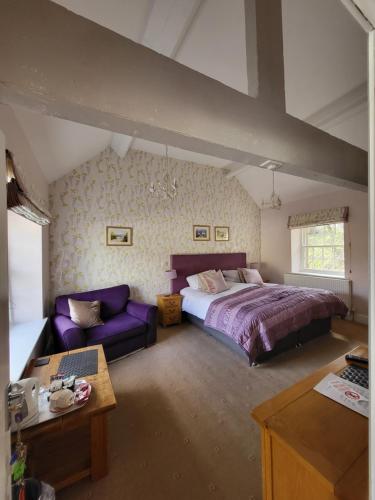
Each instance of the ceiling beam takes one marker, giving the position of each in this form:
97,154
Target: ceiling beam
235,169
264,17
168,22
251,48
75,69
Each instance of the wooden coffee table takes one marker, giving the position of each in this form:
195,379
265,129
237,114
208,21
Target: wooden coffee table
70,447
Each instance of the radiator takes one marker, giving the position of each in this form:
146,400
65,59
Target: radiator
339,286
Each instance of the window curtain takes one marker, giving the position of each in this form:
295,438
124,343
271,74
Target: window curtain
18,200
319,217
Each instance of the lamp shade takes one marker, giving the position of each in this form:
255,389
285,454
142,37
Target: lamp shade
171,274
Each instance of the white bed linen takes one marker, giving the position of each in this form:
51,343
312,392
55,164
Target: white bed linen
197,302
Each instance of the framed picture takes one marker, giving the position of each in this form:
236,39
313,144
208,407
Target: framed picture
221,233
201,233
118,236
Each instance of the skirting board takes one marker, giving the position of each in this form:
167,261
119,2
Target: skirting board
125,356
361,318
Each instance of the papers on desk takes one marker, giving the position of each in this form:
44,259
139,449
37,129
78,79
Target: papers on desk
351,395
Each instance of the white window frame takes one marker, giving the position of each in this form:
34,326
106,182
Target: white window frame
319,272
25,270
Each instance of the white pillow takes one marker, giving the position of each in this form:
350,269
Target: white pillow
194,280
84,313
232,275
252,276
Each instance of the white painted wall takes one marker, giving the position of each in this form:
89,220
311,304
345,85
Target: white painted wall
25,263
371,109
31,174
26,163
276,241
4,334
60,145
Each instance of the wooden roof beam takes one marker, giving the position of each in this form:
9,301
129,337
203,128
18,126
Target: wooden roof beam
64,65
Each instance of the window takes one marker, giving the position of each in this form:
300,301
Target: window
25,291
25,269
319,250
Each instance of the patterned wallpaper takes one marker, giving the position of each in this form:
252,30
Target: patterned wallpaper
108,190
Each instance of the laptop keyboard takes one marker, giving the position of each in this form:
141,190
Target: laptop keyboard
356,375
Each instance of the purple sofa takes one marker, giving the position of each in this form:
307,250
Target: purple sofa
128,325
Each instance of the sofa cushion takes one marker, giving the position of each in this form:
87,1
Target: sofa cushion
85,314
113,300
119,327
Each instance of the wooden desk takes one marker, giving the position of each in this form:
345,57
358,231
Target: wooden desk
312,447
68,448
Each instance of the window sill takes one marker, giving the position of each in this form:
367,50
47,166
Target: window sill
23,342
306,273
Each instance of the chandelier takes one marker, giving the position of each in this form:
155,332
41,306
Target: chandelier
274,201
167,188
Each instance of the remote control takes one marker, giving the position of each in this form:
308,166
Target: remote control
356,359
41,362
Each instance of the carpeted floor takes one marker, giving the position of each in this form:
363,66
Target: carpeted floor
182,429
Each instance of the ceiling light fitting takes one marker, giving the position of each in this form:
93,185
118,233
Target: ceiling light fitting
274,201
167,189
271,165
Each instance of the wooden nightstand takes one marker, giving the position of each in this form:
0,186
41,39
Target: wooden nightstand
169,307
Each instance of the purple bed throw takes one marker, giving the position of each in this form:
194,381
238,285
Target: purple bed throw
257,317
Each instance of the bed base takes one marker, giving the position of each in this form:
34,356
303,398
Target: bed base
296,339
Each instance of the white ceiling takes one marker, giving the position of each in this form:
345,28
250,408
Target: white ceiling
126,17
215,43
258,182
325,58
325,54
60,145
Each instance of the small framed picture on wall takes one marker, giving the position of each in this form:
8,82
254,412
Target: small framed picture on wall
201,233
118,236
221,233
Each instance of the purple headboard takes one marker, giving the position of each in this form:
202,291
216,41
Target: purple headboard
185,265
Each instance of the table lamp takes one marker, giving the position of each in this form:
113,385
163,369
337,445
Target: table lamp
170,274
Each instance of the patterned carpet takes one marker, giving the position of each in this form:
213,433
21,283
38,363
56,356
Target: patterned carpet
182,429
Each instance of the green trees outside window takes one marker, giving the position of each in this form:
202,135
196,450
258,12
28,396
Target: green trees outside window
323,248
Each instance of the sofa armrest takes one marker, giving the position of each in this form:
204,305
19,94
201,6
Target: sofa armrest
69,335
144,312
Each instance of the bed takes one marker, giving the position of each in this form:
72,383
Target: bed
256,321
